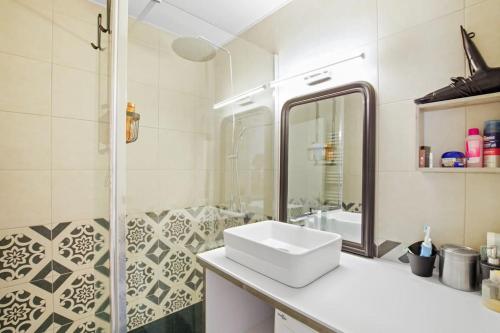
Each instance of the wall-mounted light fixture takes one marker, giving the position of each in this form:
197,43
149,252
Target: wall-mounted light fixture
311,77
240,97
317,75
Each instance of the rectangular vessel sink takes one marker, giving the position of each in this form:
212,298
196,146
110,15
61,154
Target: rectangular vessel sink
287,253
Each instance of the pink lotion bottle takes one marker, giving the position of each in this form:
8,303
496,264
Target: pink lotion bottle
474,149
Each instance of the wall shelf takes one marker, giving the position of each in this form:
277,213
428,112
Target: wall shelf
460,170
443,127
460,102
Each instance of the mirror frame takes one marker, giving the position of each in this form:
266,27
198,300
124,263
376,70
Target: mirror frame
367,246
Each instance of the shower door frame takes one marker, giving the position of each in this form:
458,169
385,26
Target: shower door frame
118,102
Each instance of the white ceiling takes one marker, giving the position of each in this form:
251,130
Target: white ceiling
217,20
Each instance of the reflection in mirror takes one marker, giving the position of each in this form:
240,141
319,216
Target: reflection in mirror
325,165
247,156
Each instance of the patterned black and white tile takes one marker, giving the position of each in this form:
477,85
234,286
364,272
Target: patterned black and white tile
25,308
141,311
142,234
75,298
24,252
92,324
142,276
56,278
52,277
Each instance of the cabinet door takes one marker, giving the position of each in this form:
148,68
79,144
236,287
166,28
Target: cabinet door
283,323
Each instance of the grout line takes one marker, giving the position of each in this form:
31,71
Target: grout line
423,23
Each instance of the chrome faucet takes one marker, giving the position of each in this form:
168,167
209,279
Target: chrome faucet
301,219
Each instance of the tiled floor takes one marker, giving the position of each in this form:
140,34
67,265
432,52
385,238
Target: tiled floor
188,320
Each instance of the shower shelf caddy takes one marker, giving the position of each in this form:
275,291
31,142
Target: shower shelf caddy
455,114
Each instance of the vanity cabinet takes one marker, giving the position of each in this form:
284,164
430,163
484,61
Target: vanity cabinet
283,323
231,308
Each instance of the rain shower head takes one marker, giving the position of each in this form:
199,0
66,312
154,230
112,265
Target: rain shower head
194,48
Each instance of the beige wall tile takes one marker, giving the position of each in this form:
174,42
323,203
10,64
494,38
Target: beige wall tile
25,198
261,190
25,141
408,201
345,25
251,66
178,188
143,191
476,115
483,20
177,150
398,15
444,131
79,195
420,60
146,102
81,10
256,149
33,38
144,33
472,2
397,124
25,85
482,212
143,154
143,64
204,116
79,145
177,74
166,40
177,111
72,39
75,93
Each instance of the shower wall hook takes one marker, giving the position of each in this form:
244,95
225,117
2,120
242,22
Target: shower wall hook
100,29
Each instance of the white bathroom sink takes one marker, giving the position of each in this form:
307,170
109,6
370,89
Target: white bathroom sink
290,254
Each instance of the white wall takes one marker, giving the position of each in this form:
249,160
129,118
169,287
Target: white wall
412,48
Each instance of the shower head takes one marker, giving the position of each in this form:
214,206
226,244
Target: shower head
194,49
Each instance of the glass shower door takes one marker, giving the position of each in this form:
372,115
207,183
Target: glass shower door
54,170
189,173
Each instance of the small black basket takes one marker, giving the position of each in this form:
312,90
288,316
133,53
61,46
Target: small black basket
421,266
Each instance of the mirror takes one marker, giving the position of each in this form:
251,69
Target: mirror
327,166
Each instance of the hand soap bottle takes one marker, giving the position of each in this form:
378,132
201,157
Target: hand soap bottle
474,149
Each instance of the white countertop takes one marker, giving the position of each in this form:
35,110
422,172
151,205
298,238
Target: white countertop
372,295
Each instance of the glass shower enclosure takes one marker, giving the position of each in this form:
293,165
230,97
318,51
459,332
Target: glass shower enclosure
97,235
198,167
55,168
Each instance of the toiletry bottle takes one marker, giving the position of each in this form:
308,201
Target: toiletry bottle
426,247
474,149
